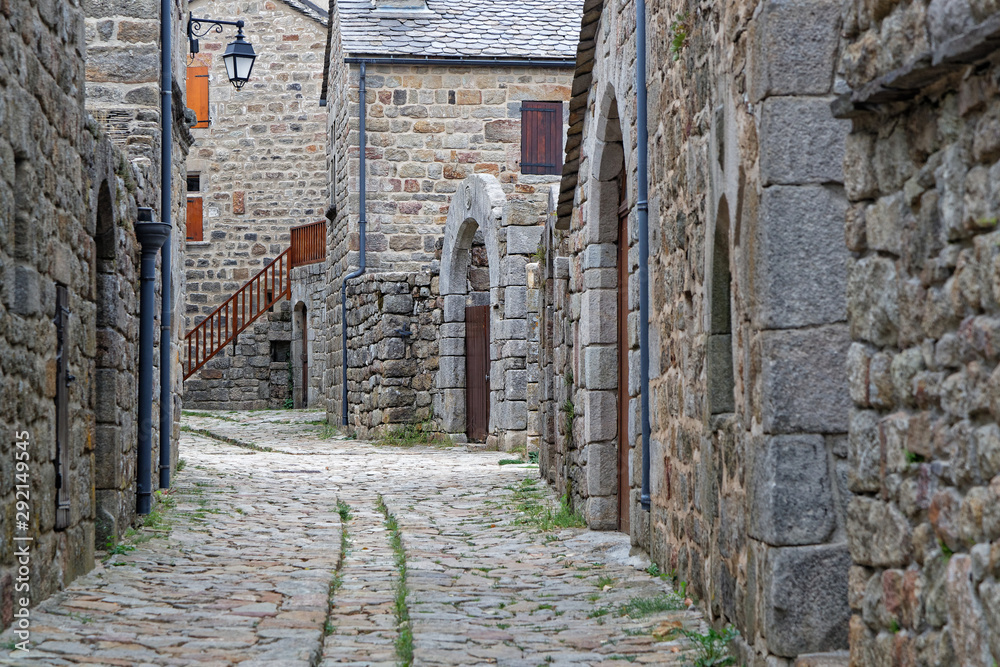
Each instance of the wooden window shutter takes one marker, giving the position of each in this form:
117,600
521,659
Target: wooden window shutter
541,137
197,93
194,225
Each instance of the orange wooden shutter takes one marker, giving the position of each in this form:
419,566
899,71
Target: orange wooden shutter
197,93
194,226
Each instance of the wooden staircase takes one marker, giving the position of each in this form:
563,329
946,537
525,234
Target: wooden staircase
256,297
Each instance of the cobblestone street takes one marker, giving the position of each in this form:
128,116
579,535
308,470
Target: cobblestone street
273,549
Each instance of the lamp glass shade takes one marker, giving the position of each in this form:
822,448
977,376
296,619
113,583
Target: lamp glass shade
239,58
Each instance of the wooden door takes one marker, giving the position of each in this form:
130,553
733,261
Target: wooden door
477,372
623,439
305,360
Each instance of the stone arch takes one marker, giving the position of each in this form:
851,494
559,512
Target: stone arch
108,455
606,397
511,232
609,163
104,237
478,206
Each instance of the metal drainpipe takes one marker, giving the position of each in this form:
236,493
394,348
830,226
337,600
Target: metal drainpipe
642,205
151,236
362,223
166,166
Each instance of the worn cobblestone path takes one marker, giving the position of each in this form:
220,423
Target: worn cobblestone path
247,567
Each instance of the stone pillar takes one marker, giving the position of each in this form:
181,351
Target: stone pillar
798,265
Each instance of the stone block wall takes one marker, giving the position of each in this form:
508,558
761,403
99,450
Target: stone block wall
45,240
330,337
262,168
922,164
748,326
245,376
123,96
68,201
391,372
116,189
428,129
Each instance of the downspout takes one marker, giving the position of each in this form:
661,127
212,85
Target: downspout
151,236
166,167
362,223
642,205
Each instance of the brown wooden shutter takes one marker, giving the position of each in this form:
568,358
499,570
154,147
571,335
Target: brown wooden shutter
194,227
541,137
197,93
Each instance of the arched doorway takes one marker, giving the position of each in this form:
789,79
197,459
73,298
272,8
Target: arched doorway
300,356
471,299
603,338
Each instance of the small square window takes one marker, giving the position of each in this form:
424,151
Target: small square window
281,351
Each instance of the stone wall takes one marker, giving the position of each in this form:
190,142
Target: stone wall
330,337
922,169
43,152
428,129
390,372
748,326
68,201
262,168
510,232
123,96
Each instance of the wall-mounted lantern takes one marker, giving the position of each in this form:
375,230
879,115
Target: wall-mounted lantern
239,56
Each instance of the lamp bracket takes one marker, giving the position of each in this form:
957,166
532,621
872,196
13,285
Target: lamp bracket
200,27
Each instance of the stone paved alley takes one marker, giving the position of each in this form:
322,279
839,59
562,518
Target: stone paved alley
241,565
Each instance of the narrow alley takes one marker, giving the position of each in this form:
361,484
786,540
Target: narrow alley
276,547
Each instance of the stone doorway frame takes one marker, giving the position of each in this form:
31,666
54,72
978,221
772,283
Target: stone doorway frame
299,351
598,333
478,205
512,231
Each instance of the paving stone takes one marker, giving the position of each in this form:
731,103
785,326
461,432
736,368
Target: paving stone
244,573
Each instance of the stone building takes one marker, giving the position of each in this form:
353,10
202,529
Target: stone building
452,112
70,186
257,170
922,168
748,327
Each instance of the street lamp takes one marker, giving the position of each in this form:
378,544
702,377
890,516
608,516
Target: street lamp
239,56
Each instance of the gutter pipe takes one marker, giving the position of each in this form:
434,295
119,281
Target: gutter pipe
642,205
362,223
151,236
166,172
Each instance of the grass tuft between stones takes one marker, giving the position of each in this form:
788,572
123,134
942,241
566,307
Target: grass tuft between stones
404,642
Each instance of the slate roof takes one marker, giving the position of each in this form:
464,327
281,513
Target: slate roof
582,80
470,28
310,9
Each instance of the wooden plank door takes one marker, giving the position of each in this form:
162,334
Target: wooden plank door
477,372
623,439
304,392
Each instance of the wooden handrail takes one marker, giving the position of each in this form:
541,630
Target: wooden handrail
309,243
239,311
273,283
